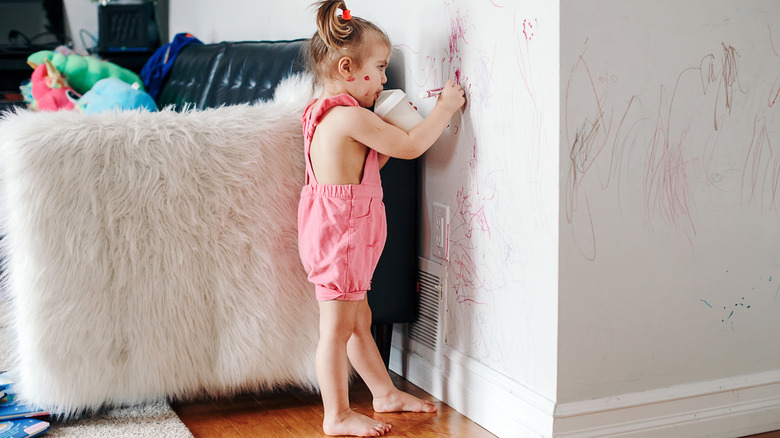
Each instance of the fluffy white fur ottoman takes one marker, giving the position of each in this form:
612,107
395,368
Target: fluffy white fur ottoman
153,255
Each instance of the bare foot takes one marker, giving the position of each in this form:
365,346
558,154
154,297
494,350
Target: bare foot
400,401
354,424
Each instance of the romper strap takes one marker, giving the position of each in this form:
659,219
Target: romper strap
371,169
308,133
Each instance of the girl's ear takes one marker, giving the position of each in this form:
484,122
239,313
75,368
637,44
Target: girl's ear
346,66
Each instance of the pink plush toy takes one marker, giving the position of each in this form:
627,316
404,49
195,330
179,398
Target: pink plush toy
50,91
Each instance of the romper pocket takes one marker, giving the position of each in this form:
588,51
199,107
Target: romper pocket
361,210
366,240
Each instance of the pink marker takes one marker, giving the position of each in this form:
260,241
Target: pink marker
431,93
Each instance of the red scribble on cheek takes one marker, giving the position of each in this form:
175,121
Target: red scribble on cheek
351,80
367,78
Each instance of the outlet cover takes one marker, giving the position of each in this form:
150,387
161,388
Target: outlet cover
440,231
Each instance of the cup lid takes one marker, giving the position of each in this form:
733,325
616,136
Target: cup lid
387,100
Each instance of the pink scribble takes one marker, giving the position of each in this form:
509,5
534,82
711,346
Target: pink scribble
470,216
470,220
457,33
399,47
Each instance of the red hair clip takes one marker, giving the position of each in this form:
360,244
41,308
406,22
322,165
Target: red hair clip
346,15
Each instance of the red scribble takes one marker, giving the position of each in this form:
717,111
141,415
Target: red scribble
529,29
351,80
771,41
470,215
726,77
457,33
774,92
367,78
523,47
761,172
589,141
666,187
470,219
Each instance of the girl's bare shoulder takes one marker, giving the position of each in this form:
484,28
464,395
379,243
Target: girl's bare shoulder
345,119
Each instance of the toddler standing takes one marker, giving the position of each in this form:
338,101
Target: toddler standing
341,217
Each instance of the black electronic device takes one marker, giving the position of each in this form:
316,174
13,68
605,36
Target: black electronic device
127,27
31,25
26,26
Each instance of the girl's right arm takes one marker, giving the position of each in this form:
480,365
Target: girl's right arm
369,129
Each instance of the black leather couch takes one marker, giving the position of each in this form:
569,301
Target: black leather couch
226,73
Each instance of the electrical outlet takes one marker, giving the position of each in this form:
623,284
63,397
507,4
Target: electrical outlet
440,231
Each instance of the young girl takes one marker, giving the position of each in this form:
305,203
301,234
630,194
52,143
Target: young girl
341,217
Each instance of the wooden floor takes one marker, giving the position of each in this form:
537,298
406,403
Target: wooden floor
299,414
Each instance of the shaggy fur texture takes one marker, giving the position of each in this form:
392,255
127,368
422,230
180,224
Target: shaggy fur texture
152,255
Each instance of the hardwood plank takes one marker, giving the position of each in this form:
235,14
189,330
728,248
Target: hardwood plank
300,422
257,423
298,413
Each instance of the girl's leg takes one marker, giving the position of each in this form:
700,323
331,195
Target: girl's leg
337,323
365,357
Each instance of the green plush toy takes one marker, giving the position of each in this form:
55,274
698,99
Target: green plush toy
82,72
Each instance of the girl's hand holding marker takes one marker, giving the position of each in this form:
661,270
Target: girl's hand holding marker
450,91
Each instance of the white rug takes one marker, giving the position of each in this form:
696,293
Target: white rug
153,256
149,420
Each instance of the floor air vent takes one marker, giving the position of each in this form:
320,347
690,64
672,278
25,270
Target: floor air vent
426,329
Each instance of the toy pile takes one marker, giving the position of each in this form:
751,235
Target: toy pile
63,80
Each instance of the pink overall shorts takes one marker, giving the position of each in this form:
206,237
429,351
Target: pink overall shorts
341,228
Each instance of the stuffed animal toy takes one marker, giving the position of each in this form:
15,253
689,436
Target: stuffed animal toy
82,72
50,91
113,94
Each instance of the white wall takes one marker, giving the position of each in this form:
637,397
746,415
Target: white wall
242,20
670,199
669,248
81,15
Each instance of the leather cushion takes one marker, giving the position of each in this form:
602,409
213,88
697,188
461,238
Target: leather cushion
229,73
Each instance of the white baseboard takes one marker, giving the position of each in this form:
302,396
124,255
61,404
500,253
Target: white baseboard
727,408
500,405
733,407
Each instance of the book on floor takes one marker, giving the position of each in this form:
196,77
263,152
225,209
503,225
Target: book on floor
22,428
11,409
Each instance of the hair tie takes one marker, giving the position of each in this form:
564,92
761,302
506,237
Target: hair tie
346,15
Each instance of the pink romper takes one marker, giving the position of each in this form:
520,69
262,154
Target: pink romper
341,228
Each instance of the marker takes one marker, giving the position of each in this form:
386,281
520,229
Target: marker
431,93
